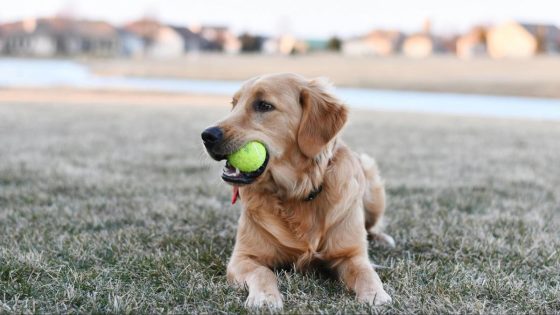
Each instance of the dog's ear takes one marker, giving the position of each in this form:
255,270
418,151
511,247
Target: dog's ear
323,117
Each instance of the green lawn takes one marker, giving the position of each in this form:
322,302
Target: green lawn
117,209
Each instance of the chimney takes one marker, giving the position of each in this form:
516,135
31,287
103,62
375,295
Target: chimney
427,26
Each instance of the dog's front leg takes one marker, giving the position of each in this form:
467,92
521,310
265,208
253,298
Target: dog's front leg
259,279
358,274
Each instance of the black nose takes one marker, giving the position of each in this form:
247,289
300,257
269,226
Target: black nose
212,135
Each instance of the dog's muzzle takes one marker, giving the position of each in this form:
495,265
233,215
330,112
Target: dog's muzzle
213,139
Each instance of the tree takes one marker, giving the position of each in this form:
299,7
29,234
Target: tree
334,44
250,43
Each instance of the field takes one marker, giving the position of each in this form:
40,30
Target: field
108,204
535,77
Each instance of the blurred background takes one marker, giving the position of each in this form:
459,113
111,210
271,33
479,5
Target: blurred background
478,47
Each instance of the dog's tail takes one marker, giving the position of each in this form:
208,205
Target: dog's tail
374,201
374,197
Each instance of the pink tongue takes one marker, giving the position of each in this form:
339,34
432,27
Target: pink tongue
235,194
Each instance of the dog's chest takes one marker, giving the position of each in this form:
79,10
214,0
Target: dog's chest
307,229
295,232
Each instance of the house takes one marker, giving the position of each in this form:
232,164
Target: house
220,38
160,41
167,43
270,46
131,45
519,40
472,44
2,42
28,38
193,42
449,43
357,47
284,45
289,45
548,37
45,37
418,46
376,43
97,38
423,44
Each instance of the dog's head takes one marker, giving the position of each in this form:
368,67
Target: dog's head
293,117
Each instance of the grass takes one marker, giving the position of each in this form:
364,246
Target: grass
116,209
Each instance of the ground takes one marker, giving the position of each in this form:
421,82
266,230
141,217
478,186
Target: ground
114,207
521,77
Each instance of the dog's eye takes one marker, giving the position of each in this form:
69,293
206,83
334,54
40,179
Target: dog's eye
262,106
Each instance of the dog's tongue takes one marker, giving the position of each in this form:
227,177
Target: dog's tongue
235,194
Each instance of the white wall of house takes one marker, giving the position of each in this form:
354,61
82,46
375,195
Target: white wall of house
270,46
383,46
358,47
286,44
418,47
132,46
167,44
232,46
43,46
511,40
38,45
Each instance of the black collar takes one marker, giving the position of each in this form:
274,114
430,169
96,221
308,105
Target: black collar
314,193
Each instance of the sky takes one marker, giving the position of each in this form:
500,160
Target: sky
304,18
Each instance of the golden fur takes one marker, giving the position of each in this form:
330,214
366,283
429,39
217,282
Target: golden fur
278,226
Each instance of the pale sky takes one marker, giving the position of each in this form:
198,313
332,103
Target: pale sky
305,18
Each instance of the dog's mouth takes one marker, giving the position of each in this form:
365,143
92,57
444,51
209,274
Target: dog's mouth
234,176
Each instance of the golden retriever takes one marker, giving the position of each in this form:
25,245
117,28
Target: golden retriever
314,200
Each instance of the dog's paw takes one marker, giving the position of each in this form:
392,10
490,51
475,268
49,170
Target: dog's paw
261,299
379,297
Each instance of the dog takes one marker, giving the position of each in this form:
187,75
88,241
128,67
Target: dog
313,200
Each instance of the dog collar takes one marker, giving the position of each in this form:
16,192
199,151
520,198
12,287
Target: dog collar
314,193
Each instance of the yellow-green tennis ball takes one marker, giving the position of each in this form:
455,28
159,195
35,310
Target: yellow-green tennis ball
249,158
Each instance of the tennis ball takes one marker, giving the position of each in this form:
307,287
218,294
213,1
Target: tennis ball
249,157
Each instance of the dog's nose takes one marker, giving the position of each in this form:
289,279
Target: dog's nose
212,135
